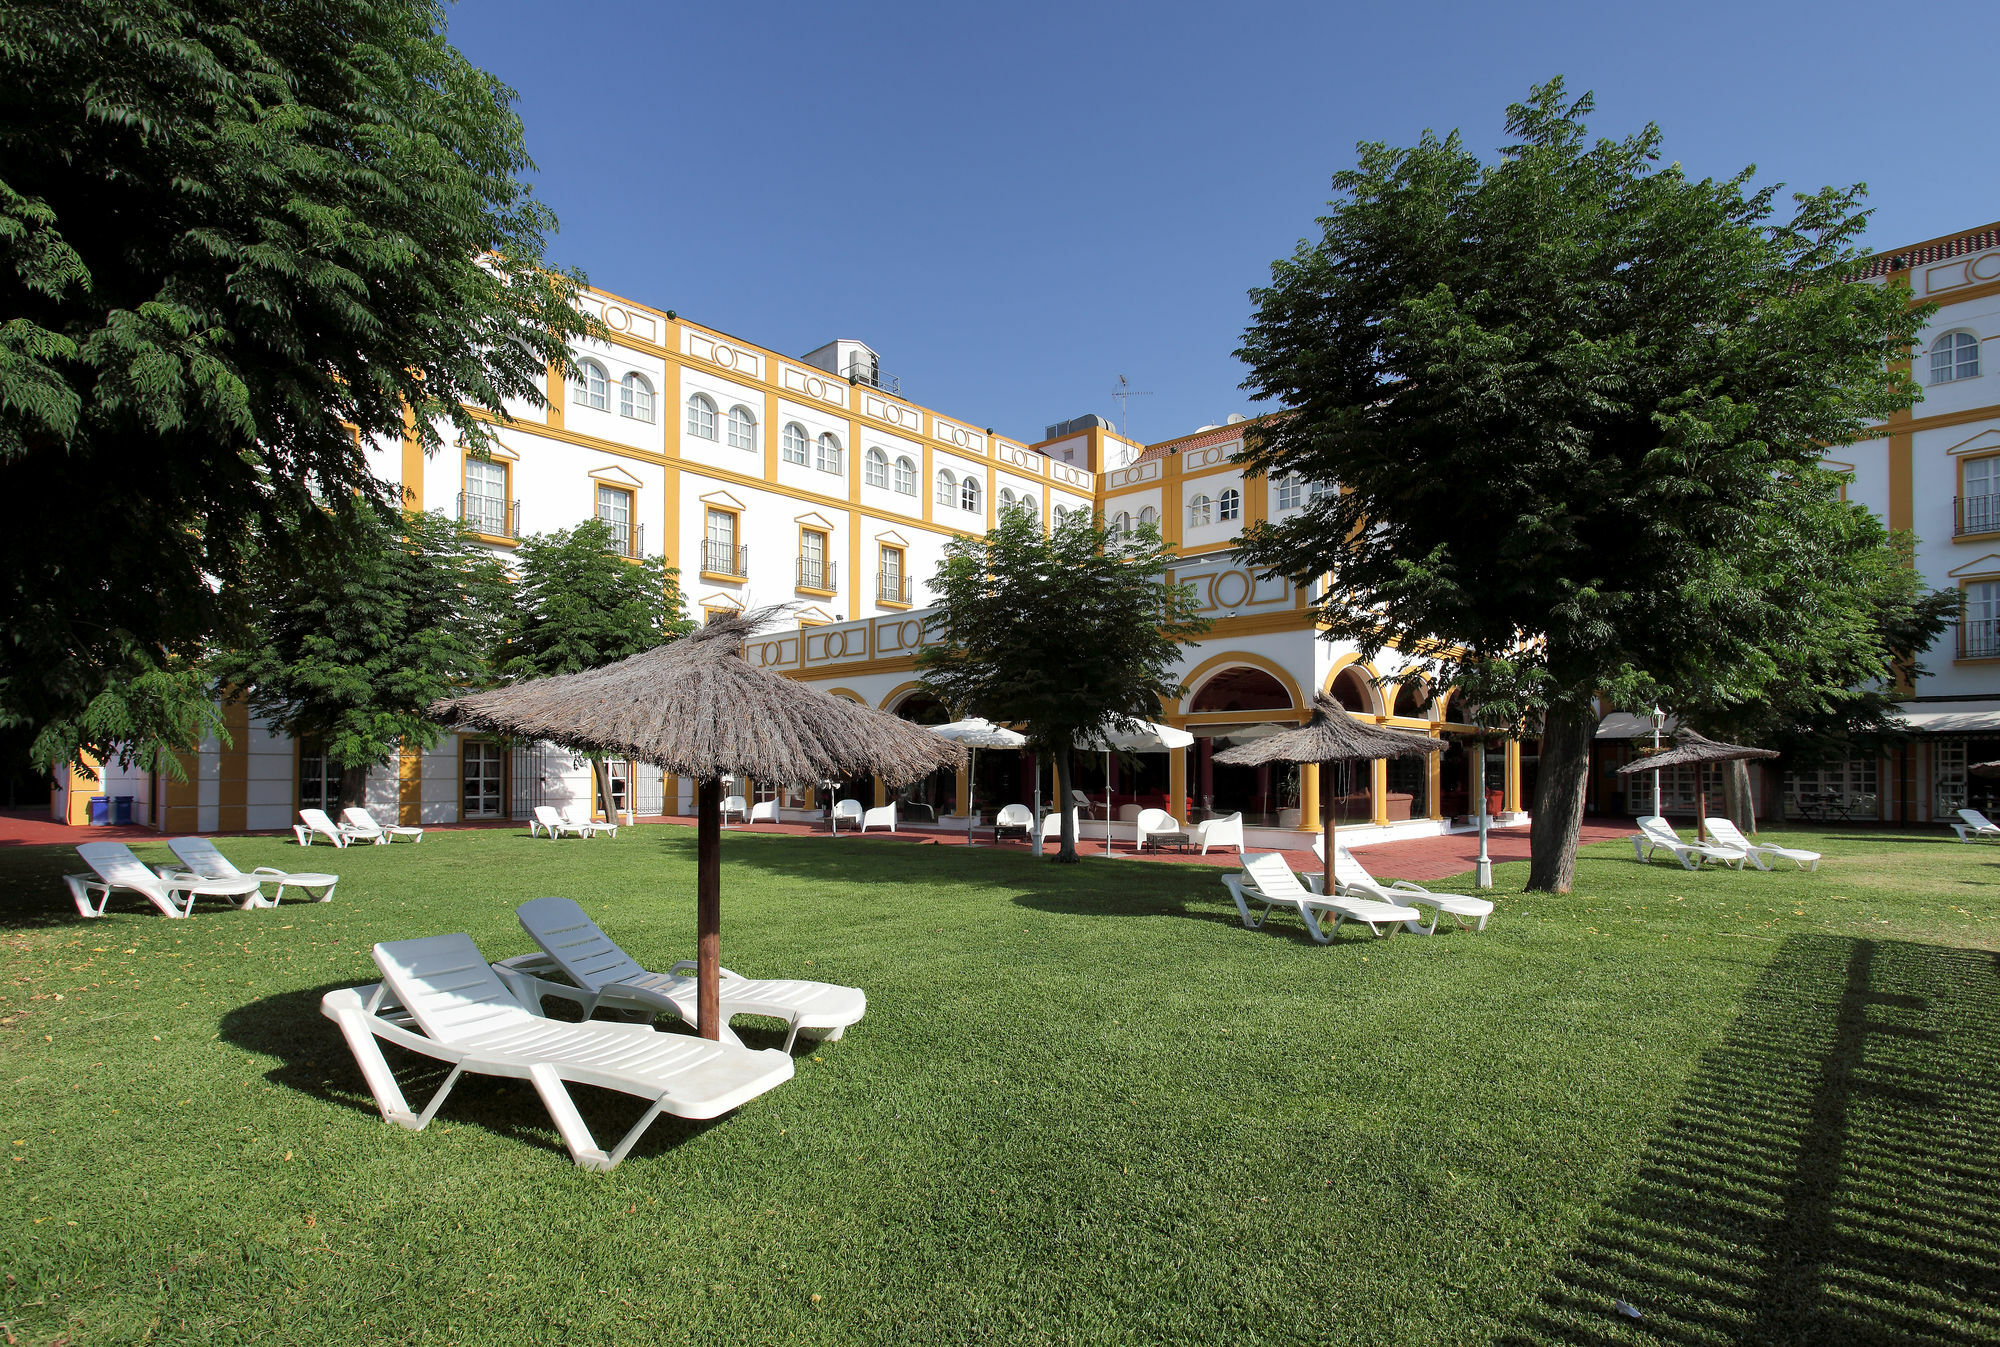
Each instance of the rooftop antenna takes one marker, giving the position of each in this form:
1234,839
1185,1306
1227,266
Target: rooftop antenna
1123,391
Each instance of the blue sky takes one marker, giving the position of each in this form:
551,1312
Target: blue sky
1015,204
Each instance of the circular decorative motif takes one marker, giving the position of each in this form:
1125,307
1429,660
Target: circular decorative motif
1985,268
617,319
725,356
1231,589
908,633
815,388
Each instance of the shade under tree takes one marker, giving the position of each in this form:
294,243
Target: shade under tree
697,708
1332,735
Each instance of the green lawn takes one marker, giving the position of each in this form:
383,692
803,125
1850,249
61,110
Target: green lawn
1086,1106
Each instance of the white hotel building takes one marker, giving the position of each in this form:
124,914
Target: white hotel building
811,481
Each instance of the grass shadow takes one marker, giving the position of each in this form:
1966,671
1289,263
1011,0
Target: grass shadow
313,1060
1826,1177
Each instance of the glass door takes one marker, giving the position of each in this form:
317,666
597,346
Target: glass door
481,767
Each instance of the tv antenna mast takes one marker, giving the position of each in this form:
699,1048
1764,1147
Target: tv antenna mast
1123,391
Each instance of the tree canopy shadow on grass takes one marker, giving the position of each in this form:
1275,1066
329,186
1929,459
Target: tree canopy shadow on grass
1830,1175
314,1060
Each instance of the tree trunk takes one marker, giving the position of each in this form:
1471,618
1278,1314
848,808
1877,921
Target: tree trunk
354,787
1737,800
1067,855
708,908
1562,778
600,771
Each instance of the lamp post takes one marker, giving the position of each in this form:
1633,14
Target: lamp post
1658,719
1483,876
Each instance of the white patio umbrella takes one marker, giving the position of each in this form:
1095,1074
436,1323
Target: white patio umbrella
975,734
1135,736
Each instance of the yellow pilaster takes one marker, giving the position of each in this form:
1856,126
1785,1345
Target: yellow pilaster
1510,792
1309,817
1177,783
413,463
410,788
1378,789
1434,784
881,793
556,395
233,770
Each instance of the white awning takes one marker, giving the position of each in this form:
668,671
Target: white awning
1952,717
1625,725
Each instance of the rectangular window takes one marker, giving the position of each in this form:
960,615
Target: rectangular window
482,776
1947,777
719,546
1837,790
319,782
485,505
1979,629
812,560
614,508
1288,493
891,586
1978,506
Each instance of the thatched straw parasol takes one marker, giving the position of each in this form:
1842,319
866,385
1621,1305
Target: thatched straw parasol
1332,735
1985,768
697,708
1693,749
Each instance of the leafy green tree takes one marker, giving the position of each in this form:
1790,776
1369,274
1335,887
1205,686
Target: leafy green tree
1067,632
238,242
353,647
1565,396
576,605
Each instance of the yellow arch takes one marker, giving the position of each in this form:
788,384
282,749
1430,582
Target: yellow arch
898,692
1371,683
1232,659
849,693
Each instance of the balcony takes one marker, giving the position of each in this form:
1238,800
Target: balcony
818,576
627,540
859,371
892,587
1975,514
725,559
490,516
1979,638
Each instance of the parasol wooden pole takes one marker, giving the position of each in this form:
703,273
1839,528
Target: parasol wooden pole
708,908
1327,829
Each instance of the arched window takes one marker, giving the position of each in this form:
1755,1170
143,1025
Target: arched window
827,457
1148,517
875,468
1201,510
742,428
906,475
968,493
701,417
792,444
947,487
1029,504
1316,491
1290,496
1955,355
1229,505
1241,688
1121,524
1007,501
1350,689
1058,515
635,398
591,389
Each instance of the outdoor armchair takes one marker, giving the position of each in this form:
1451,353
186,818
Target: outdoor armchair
1157,823
737,805
850,810
1013,818
881,816
1226,831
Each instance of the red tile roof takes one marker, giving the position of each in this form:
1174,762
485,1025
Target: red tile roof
1899,259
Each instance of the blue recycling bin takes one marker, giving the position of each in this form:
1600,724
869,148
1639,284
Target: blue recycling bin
121,809
100,809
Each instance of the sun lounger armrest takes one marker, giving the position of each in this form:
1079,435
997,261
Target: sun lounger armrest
338,1004
1315,882
1405,886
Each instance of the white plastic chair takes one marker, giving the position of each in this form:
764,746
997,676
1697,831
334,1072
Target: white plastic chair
1352,879
1156,823
1727,834
606,977
737,805
573,815
438,997
1267,879
313,823
764,811
1656,834
204,861
1013,818
546,819
1052,826
1226,831
850,810
1128,813
113,867
360,825
1973,824
881,816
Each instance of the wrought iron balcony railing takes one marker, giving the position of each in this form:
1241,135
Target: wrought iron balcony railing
892,587
1975,514
1978,638
719,558
627,540
818,574
490,515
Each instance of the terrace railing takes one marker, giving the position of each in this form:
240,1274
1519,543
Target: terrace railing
490,515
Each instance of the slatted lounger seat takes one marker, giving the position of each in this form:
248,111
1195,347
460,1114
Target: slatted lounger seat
204,861
1352,878
604,976
113,867
1727,834
439,997
1973,825
1656,834
1267,879
360,826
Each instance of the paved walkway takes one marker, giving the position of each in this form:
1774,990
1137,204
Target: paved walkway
1420,859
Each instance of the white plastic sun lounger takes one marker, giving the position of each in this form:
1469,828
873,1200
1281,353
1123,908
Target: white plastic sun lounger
1973,824
1267,879
314,823
1727,834
1351,878
438,997
588,827
204,861
113,866
544,818
606,976
1656,834
360,826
